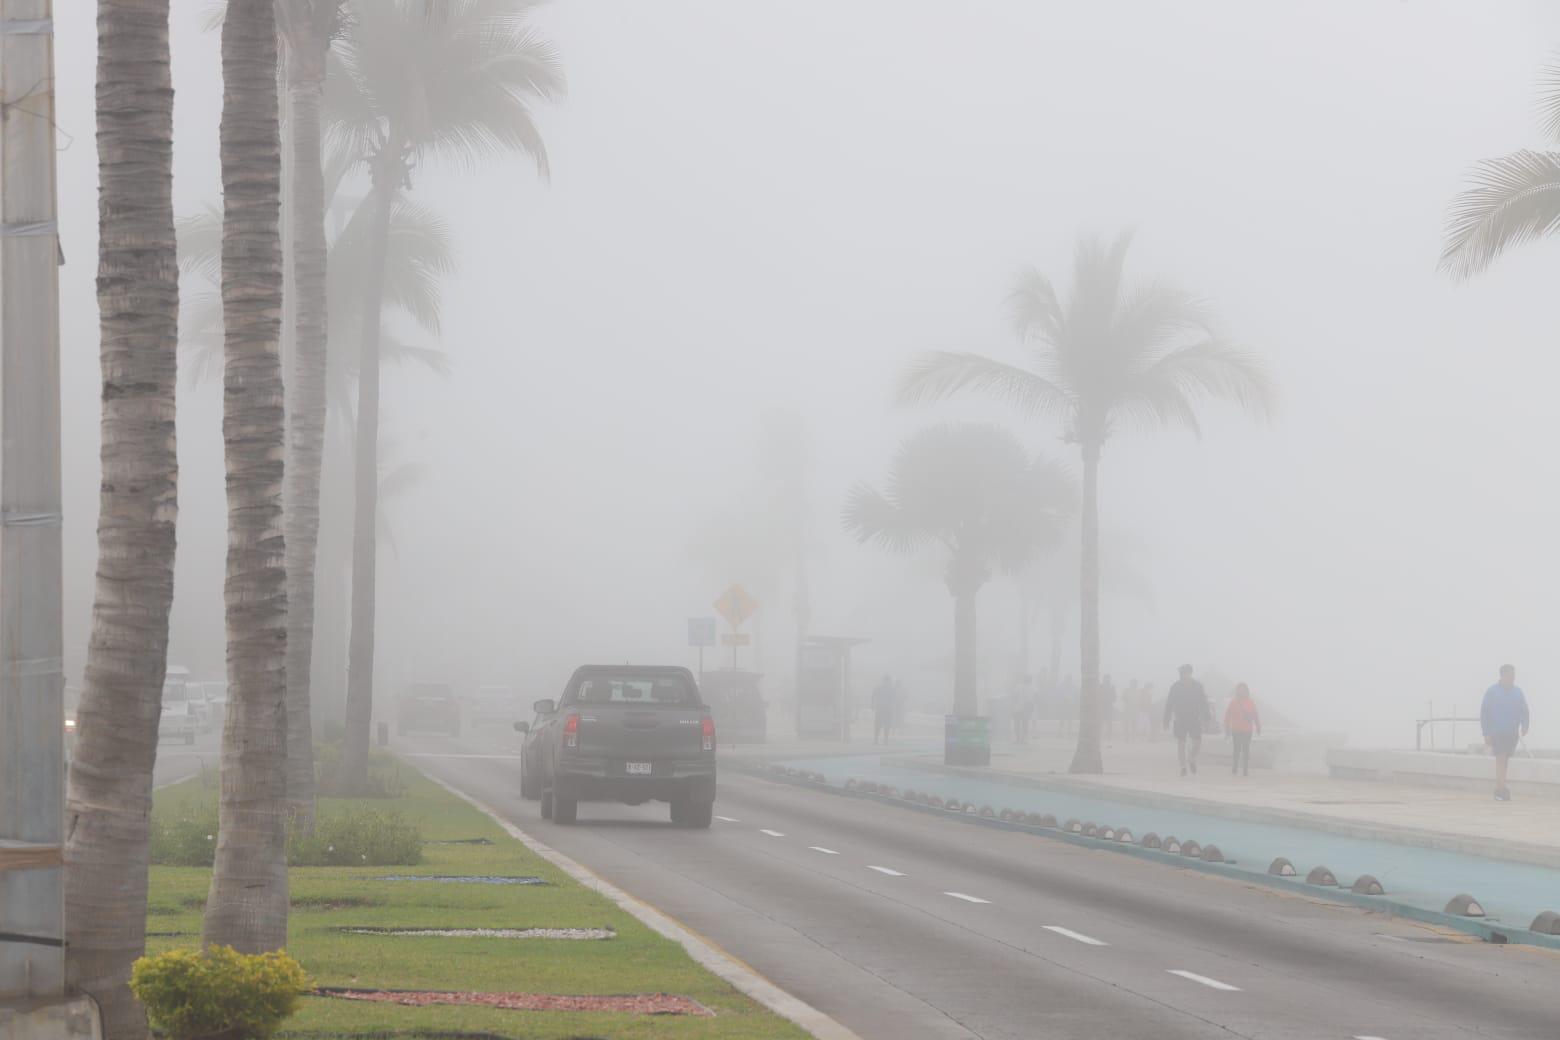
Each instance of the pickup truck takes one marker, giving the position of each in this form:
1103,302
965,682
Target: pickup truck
622,733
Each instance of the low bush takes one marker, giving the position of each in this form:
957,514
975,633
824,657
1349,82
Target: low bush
352,836
358,837
384,775
220,994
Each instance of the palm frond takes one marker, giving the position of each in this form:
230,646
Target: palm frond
871,517
1549,100
942,374
1035,308
1512,200
1166,391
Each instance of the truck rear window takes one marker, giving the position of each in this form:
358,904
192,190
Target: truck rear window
659,690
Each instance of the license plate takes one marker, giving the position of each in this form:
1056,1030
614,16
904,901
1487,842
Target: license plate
638,768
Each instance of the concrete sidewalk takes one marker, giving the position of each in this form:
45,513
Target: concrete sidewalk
1526,830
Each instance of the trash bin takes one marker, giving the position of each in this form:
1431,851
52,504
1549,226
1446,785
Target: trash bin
966,740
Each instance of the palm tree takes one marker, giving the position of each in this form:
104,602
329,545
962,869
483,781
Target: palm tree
247,906
109,793
439,79
308,27
1111,357
1512,200
975,492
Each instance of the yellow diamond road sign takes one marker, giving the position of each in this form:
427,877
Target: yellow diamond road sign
736,606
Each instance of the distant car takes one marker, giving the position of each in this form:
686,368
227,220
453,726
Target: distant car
428,708
631,734
177,722
740,711
493,704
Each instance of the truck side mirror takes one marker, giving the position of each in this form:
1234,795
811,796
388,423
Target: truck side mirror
522,727
545,706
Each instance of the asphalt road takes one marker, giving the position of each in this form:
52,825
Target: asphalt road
177,761
901,925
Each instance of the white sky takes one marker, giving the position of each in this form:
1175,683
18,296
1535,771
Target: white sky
764,203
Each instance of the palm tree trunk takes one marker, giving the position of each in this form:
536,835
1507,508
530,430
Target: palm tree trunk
965,701
1087,757
360,655
109,794
247,906
306,411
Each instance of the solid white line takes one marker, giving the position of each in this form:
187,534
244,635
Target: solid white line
1075,936
1204,980
885,870
772,834
967,899
1370,1038
820,848
727,819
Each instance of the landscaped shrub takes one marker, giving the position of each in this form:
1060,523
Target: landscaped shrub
357,837
384,775
353,836
220,994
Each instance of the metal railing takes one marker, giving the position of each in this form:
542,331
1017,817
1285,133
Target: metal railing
1420,724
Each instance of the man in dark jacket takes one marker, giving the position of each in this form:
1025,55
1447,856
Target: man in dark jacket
1187,710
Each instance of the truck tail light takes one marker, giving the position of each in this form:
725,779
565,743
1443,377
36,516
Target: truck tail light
571,731
709,733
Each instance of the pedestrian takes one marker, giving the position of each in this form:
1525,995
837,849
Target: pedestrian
1504,718
1242,722
882,710
1186,706
1107,702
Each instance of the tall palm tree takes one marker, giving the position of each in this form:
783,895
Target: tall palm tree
1110,357
247,906
975,492
308,27
109,793
425,79
1512,200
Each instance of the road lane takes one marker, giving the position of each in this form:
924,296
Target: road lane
869,933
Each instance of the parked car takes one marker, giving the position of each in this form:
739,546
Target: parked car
179,700
530,751
177,722
630,734
740,711
428,708
216,695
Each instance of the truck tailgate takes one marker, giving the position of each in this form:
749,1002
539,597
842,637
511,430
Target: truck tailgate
640,734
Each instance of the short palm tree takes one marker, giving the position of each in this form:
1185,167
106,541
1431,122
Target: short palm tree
247,906
424,79
1512,200
1108,358
109,793
977,495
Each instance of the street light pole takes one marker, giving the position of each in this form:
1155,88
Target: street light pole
32,753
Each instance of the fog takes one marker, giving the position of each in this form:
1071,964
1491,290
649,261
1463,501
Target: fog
767,209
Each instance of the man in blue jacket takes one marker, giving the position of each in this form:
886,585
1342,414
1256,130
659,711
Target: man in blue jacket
1504,719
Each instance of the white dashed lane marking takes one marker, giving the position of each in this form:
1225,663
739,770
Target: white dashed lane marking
885,870
966,898
820,848
772,834
1203,980
1074,936
727,819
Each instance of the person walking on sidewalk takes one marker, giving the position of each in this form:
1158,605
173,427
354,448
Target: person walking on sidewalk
1242,722
882,710
1186,707
1504,719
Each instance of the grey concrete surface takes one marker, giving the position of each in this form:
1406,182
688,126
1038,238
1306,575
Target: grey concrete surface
903,925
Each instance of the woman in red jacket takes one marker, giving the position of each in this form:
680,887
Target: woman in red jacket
1242,722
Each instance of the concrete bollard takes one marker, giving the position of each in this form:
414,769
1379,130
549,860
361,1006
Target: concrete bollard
1107,833
1366,885
1464,905
1546,923
1171,845
1281,867
1124,835
1150,840
1090,830
1321,876
1047,820
1192,849
1211,854
1074,827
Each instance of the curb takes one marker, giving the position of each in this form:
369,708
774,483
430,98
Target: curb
1491,933
1485,848
704,951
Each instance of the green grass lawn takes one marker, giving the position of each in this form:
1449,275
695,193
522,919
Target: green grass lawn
328,899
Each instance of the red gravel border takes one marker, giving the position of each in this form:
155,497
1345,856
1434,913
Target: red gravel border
631,1004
